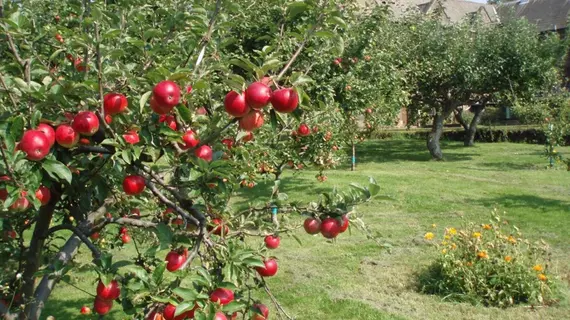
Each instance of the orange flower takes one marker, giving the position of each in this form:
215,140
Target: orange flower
508,258
429,236
477,235
512,239
541,277
469,263
482,255
453,246
487,227
538,268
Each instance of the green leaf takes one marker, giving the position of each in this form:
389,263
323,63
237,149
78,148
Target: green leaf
164,235
152,33
296,8
158,273
297,239
187,294
183,307
325,34
373,187
139,272
298,79
244,64
143,100
55,54
204,274
57,170
232,307
338,21
270,65
254,262
273,118
184,114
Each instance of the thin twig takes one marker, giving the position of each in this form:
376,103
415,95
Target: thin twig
275,302
96,253
169,203
9,170
206,39
8,91
99,71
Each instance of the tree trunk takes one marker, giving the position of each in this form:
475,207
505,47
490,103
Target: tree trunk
435,135
472,129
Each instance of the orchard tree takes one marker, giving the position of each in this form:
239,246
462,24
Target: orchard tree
120,126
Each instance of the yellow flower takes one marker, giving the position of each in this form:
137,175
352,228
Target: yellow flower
446,237
508,258
434,225
451,231
482,254
541,277
428,236
486,226
537,268
477,235
512,239
444,251
444,243
453,246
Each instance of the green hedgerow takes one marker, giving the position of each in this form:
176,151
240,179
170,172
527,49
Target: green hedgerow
489,264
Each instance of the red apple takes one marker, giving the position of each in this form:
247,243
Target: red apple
85,123
218,229
269,270
110,291
35,145
312,225
266,81
48,132
220,316
131,137
345,223
257,95
190,140
248,137
95,236
368,110
285,100
175,259
330,228
43,194
58,37
79,65
114,103
125,238
260,312
123,230
108,119
135,212
337,61
188,89
57,18
3,194
222,296
169,120
235,104
166,94
228,142
85,310
158,108
133,185
102,306
303,130
251,121
204,152
201,111
170,311
84,141
272,242
21,204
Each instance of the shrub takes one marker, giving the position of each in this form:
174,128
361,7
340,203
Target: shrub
491,264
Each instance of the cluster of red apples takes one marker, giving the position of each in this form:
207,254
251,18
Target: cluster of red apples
329,227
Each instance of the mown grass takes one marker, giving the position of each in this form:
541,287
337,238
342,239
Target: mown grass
352,278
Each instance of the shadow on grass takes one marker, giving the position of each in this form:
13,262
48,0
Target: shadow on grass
406,150
526,201
69,309
289,184
506,166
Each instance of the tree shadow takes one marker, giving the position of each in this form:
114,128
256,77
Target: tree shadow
526,201
406,150
289,184
70,309
505,166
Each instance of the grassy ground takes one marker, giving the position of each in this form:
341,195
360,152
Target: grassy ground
353,279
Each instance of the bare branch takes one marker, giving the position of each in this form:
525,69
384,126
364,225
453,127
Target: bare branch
206,39
169,203
94,250
275,302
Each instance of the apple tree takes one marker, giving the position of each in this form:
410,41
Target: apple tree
125,123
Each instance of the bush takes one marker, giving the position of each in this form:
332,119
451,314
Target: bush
489,264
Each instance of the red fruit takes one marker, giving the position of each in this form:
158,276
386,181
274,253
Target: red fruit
345,223
266,81
108,119
131,137
136,212
166,94
189,89
272,242
123,230
114,103
201,111
257,95
175,260
110,291
133,185
228,142
35,145
125,238
84,141
3,194
285,100
170,121
204,152
222,296
368,110
303,130
248,137
337,61
85,310
261,312
167,211
102,306
21,204
220,316
79,65
218,230
269,270
158,108
312,225
57,18
251,121
335,148
48,132
190,140
330,228
85,123
235,104
44,195
66,136
59,38
95,236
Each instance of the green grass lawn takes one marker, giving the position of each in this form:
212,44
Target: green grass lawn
352,278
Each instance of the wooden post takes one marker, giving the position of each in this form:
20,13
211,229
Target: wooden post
353,165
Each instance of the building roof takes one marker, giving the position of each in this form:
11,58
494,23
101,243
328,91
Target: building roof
548,15
456,10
